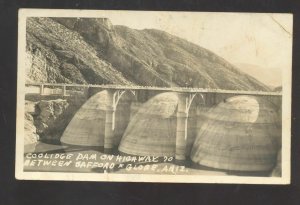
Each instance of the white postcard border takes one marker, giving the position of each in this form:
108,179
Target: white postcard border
113,177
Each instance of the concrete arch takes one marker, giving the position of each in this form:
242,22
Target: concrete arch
113,99
184,105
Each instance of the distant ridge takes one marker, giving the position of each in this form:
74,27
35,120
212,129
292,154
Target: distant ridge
269,76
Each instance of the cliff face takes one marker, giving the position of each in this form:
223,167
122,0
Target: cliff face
83,50
46,119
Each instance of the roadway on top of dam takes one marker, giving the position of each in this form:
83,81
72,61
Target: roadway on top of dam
169,89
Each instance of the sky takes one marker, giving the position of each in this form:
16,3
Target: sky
250,41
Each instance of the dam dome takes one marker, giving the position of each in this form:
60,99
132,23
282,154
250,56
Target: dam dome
152,130
243,133
87,127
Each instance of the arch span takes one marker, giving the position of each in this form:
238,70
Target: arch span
113,100
183,110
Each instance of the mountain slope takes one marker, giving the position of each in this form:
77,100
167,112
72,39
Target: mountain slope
84,50
62,52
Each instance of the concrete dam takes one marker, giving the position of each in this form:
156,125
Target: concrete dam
229,130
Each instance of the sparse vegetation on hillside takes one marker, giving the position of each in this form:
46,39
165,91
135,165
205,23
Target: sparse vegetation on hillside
83,50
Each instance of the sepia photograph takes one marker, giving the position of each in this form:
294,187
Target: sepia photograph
154,96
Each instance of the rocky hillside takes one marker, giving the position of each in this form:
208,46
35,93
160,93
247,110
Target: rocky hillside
83,50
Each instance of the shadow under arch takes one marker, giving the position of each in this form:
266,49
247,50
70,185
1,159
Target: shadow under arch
194,103
121,103
187,122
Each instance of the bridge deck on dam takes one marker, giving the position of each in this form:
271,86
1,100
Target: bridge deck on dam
166,89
